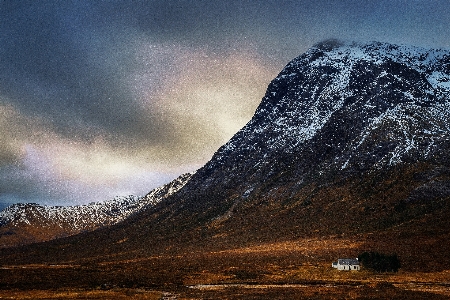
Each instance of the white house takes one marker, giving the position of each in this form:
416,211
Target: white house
349,264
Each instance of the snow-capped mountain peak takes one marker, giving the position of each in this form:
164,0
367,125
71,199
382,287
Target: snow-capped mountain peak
345,106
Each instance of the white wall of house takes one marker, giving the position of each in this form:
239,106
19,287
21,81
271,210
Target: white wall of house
348,267
346,264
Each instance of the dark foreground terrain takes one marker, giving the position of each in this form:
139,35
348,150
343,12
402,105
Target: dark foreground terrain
298,269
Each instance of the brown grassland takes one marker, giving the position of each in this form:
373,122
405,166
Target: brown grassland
298,269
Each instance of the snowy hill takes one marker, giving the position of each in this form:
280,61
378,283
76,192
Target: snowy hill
372,86
343,107
56,221
339,113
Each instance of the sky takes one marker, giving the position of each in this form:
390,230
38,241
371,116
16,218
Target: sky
110,98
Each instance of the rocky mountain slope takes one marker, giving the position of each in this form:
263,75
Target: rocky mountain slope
344,108
337,112
350,140
24,223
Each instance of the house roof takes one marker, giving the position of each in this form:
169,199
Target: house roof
348,261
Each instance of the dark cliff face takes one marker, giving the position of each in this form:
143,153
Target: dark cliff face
336,111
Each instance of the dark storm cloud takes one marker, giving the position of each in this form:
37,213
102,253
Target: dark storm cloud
95,94
53,64
68,61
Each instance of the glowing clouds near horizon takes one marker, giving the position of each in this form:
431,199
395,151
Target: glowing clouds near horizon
179,106
64,173
208,99
38,165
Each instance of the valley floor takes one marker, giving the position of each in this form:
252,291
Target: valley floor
284,270
348,286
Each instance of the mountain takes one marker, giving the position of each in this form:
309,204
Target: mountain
25,223
350,144
342,121
347,109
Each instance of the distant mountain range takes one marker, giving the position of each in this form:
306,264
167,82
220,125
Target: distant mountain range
25,223
350,139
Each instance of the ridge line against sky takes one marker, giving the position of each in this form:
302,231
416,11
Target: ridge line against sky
107,98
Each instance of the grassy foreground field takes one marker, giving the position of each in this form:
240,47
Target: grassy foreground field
284,270
306,282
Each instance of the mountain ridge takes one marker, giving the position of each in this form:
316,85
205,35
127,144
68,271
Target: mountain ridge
29,222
